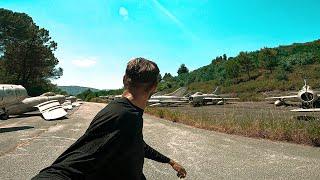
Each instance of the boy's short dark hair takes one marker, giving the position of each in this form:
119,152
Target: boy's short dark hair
141,73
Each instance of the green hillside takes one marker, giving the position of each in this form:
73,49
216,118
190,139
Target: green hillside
250,74
75,90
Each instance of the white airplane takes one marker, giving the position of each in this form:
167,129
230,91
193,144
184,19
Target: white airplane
307,96
14,100
111,97
199,98
172,99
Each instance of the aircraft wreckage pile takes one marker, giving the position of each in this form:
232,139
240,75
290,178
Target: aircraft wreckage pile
14,100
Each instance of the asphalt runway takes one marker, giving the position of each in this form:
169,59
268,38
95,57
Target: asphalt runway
28,144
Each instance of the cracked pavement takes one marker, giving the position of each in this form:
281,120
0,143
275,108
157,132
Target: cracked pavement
29,143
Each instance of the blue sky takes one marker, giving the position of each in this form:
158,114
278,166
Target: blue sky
96,38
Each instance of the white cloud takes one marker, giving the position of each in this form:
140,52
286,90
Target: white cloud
124,13
84,62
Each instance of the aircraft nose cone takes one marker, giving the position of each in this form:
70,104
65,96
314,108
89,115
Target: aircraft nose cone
308,97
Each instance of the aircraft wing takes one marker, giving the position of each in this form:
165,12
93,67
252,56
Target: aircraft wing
283,97
306,110
220,98
51,110
165,102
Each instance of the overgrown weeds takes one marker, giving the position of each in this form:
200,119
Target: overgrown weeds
267,123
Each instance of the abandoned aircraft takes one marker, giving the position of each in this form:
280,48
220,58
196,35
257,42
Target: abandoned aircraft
14,100
172,99
199,99
307,96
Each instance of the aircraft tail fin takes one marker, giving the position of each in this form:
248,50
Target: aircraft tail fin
216,90
179,92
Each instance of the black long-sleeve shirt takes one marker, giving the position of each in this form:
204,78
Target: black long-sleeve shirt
111,148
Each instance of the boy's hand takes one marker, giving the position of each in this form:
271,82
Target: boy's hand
177,167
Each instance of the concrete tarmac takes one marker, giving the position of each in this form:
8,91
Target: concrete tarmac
29,143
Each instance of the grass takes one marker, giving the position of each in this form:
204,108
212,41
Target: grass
268,124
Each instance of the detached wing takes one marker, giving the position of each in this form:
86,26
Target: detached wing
51,110
283,97
306,110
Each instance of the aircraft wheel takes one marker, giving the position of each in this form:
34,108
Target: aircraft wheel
4,116
195,104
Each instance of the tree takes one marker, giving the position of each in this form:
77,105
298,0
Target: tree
232,68
224,56
183,69
246,63
159,78
167,77
26,53
268,57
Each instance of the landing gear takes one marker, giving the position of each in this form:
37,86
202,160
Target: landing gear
4,114
196,104
307,105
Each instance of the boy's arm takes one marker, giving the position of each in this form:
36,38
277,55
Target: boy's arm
153,154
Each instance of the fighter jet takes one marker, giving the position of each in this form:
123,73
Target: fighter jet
172,99
14,100
309,99
199,98
111,97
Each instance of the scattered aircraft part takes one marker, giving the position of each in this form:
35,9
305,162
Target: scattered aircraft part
48,94
11,94
72,99
77,104
51,110
29,104
67,105
14,100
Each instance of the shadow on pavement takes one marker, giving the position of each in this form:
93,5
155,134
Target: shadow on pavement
59,119
26,115
11,129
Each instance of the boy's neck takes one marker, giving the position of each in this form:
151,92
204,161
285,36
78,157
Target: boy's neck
138,99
